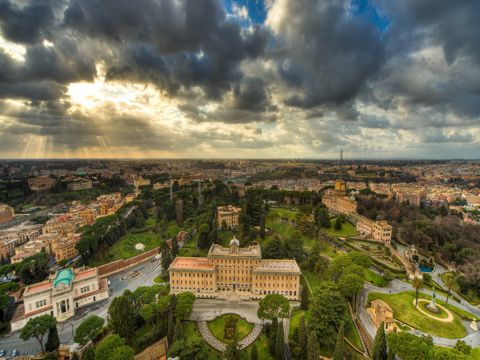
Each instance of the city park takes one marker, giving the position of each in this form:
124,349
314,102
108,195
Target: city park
423,305
446,321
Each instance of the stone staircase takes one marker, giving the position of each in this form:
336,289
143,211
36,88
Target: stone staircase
218,345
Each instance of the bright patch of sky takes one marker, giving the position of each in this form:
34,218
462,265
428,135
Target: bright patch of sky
246,12
367,9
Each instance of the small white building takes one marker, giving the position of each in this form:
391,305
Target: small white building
60,295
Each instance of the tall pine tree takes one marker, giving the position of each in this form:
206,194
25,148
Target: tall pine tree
53,342
305,298
302,338
380,351
340,345
280,343
313,348
272,336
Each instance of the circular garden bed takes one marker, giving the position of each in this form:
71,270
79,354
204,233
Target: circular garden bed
226,326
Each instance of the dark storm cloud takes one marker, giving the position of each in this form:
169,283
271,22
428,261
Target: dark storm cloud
26,24
172,44
330,54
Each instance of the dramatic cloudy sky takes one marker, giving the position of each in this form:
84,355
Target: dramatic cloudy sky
238,78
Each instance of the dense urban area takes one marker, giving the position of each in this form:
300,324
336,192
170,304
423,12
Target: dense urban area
239,259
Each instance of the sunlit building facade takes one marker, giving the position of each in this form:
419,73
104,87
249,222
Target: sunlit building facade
235,273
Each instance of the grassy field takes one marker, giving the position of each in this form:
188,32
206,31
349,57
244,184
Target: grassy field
404,310
295,321
191,330
346,230
216,327
476,353
375,278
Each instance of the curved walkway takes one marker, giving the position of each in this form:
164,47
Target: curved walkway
218,345
448,319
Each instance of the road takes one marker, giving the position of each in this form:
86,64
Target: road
148,271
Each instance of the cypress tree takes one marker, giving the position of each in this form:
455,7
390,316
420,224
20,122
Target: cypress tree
53,342
254,353
380,345
305,298
313,348
272,336
171,328
280,342
232,352
340,346
302,340
178,332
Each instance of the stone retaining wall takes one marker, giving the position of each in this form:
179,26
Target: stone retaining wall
117,266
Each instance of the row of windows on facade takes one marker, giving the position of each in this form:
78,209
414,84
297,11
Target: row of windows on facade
209,283
261,277
256,291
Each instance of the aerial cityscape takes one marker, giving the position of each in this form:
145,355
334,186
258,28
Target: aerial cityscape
239,180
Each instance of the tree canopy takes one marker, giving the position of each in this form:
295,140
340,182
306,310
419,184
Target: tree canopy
88,329
273,306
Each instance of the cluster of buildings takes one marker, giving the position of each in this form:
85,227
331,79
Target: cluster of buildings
338,203
58,236
41,183
227,217
60,295
235,273
6,213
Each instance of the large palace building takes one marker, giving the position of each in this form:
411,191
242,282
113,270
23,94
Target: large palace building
235,273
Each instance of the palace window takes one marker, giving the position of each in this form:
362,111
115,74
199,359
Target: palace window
41,303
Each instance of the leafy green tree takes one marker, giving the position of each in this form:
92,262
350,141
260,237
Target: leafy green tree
184,305
380,351
148,313
273,306
280,342
350,284
305,298
339,353
112,347
121,317
53,342
327,310
189,349
462,347
37,328
313,348
233,351
171,328
417,284
34,268
254,353
323,219
88,329
449,280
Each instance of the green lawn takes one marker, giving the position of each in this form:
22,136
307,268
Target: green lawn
191,330
297,313
262,348
216,327
283,213
352,335
404,310
476,353
375,278
346,230
125,247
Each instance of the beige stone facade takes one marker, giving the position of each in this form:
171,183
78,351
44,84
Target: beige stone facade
235,273
381,312
228,216
60,295
378,230
340,204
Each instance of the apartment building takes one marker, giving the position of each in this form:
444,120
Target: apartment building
228,216
235,273
12,237
80,184
6,213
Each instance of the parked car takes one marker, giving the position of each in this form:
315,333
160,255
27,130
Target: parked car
14,352
2,352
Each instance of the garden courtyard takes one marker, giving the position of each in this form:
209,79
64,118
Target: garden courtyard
447,323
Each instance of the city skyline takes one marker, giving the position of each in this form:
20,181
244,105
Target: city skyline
239,79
